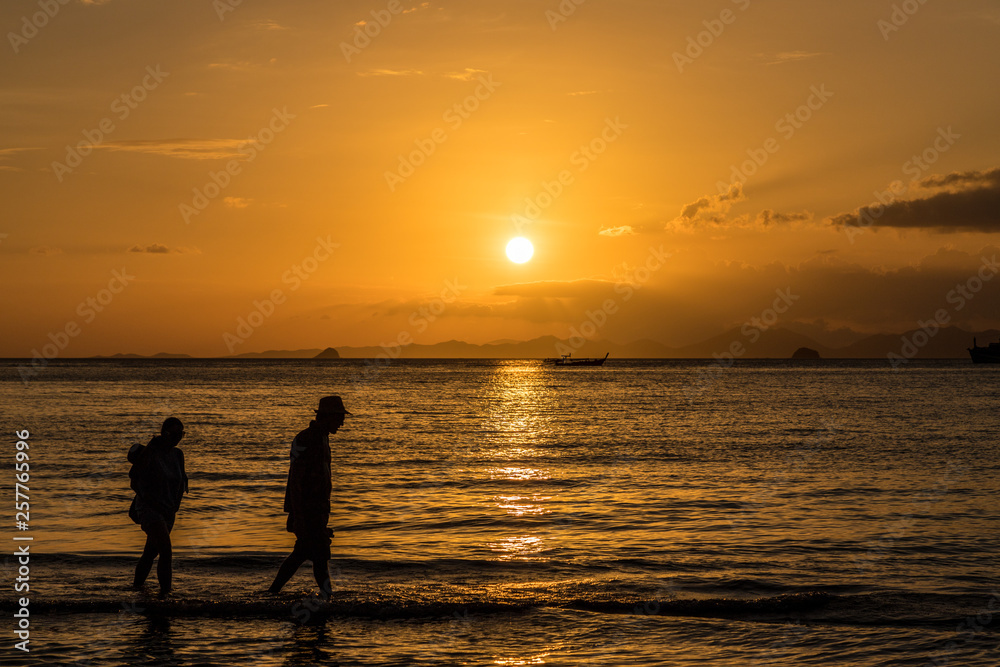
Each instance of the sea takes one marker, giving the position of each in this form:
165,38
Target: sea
508,512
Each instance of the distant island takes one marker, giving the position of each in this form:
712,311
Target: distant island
775,343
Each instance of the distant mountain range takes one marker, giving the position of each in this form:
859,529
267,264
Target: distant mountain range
777,343
158,355
947,343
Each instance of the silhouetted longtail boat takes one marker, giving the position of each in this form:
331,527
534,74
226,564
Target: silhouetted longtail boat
566,360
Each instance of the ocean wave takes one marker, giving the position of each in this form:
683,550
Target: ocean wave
873,609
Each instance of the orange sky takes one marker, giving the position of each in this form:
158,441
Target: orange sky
643,109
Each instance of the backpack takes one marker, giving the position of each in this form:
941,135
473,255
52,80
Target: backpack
136,455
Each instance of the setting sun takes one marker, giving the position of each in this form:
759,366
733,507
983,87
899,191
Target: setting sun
520,250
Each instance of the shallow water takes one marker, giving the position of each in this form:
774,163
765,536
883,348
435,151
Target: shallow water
647,512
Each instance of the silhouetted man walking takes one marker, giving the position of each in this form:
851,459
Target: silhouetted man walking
307,496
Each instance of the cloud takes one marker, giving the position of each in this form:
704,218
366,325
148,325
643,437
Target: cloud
238,66
552,288
186,149
392,72
152,249
268,25
707,209
160,249
583,92
624,230
468,75
8,153
957,202
237,202
691,299
415,8
961,180
45,250
713,207
711,212
787,56
768,217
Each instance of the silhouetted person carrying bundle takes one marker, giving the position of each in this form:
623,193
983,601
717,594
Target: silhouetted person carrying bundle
159,481
307,496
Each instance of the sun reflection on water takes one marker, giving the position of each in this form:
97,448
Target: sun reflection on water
518,410
517,548
511,662
522,505
517,473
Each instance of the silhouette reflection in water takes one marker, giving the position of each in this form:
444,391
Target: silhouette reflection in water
306,647
152,646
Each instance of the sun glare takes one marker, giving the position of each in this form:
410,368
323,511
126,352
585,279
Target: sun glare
520,250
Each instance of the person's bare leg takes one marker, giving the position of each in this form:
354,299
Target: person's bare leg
145,564
285,572
164,571
322,574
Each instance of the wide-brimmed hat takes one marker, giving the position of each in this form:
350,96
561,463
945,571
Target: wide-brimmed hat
332,405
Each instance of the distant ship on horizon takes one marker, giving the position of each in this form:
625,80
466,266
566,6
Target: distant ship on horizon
990,354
